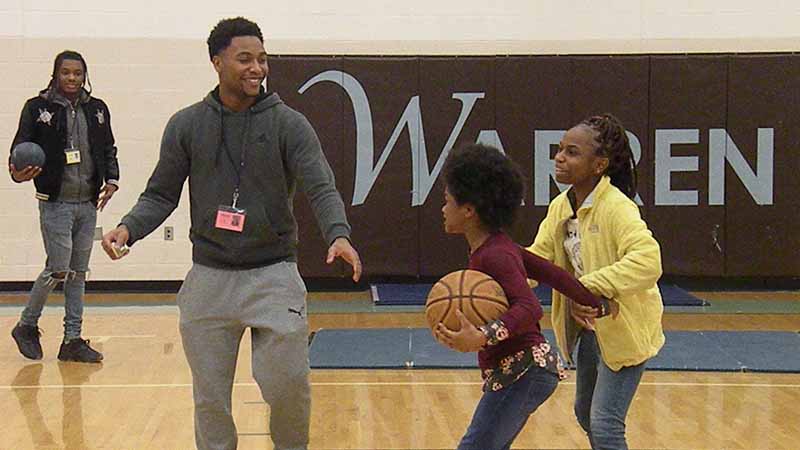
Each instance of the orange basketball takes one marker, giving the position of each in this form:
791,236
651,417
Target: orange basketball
476,294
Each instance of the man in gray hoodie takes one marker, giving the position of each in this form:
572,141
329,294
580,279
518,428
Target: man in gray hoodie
244,152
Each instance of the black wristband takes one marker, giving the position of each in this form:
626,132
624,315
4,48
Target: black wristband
604,307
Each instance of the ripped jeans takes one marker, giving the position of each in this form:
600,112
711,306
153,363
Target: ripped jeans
68,234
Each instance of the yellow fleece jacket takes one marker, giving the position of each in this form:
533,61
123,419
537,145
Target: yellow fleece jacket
621,261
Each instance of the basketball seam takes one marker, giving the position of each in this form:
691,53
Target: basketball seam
466,301
476,297
449,305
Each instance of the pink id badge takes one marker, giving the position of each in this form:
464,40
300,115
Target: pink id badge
230,218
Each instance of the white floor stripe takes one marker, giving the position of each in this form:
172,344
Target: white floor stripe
381,383
15,310
99,339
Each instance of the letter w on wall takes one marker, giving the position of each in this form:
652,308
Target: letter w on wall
366,173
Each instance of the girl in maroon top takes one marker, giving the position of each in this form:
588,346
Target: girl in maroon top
520,370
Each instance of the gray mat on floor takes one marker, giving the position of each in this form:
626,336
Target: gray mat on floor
392,348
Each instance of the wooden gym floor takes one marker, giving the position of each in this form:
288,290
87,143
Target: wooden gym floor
140,397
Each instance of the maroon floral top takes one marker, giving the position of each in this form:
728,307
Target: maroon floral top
515,340
513,367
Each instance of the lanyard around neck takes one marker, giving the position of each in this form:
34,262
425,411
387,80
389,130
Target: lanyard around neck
74,132
238,168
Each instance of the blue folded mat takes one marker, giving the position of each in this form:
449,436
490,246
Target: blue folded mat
389,294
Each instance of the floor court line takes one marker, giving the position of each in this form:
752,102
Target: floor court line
380,384
101,339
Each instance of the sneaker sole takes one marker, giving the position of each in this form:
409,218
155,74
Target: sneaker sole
78,361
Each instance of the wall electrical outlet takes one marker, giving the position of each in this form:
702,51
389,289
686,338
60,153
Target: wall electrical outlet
169,233
98,233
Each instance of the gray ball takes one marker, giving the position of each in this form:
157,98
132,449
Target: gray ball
27,154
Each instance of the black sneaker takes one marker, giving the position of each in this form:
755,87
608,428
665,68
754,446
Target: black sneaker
27,339
78,350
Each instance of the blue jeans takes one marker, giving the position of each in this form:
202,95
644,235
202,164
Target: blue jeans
500,415
602,396
67,232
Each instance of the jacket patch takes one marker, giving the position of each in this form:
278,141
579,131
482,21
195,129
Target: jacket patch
101,118
44,116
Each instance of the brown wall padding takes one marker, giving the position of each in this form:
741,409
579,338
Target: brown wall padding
689,93
763,240
386,226
323,105
439,78
739,93
533,93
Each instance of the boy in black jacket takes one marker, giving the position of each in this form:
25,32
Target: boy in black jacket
80,175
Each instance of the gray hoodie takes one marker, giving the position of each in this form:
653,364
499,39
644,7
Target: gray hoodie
77,184
281,150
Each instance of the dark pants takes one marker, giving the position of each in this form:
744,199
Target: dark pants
500,415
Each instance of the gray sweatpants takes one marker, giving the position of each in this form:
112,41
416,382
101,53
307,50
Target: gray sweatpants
215,308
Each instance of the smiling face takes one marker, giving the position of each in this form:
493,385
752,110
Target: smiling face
71,77
577,162
242,68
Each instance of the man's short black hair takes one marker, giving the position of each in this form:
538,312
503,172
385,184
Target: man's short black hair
227,29
484,177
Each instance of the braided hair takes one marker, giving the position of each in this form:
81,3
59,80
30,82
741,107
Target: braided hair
614,145
69,54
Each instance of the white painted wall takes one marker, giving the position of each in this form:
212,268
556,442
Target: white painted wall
414,26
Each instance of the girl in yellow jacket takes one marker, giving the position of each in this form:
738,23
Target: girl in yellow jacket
594,230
